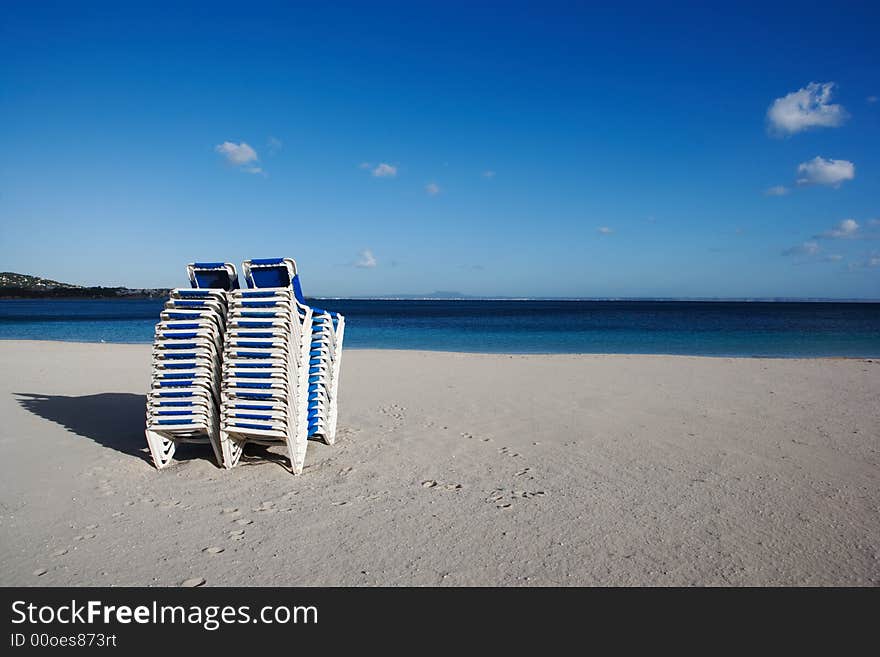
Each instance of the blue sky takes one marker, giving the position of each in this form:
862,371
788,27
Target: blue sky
502,149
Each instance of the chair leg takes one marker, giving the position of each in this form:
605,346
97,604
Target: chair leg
214,437
297,459
161,448
332,413
230,451
297,444
330,436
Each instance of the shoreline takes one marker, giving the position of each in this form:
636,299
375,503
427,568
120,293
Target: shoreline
491,353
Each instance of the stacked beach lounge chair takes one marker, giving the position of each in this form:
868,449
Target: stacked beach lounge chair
183,403
280,365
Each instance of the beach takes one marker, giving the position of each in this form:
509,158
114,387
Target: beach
456,469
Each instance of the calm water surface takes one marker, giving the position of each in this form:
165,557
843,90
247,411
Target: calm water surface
640,327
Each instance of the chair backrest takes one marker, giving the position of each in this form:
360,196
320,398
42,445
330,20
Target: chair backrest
216,275
273,272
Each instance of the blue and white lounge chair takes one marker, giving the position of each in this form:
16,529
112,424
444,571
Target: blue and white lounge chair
183,403
280,365
328,329
212,275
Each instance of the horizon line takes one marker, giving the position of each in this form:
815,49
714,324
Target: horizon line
413,297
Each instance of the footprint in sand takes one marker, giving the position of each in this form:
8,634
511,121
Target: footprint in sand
522,472
394,411
499,494
213,550
230,509
118,514
95,526
495,496
193,582
527,495
60,552
431,483
236,535
345,471
243,521
505,451
39,572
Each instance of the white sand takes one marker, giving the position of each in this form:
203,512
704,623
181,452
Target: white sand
549,470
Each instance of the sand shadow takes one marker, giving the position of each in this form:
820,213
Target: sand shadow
112,419
116,420
255,454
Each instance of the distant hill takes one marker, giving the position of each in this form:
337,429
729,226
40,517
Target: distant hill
25,286
11,279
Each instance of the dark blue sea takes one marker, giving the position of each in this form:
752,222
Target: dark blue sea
710,328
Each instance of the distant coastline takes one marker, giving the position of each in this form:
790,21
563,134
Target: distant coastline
12,292
25,286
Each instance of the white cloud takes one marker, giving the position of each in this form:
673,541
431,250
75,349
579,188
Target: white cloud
872,99
805,108
846,229
871,261
777,190
820,171
432,189
237,154
604,230
366,260
807,249
488,174
383,170
832,257
275,145
874,222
